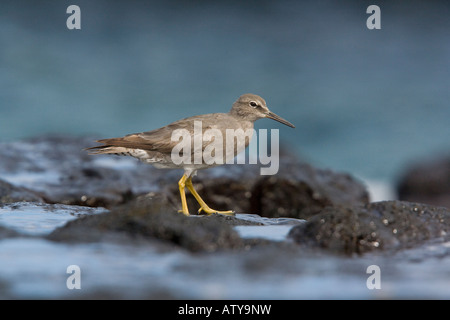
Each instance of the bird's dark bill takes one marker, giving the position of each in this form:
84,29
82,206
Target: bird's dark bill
273,116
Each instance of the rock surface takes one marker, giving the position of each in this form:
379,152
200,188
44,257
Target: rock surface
151,218
340,217
10,193
385,225
7,233
298,190
59,171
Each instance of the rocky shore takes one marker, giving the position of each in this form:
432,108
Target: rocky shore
119,201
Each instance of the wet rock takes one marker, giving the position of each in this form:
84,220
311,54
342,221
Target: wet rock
60,171
151,218
10,193
7,233
298,190
427,182
223,188
376,226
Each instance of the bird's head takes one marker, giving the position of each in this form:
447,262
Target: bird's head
252,107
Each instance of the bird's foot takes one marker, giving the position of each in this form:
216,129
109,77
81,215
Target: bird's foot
185,212
210,211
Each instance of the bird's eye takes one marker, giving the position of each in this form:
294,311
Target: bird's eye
253,104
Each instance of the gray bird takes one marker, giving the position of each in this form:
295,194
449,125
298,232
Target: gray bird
157,147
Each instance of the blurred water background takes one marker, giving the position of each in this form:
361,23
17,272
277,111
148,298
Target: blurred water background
368,102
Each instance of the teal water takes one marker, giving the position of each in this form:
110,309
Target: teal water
368,102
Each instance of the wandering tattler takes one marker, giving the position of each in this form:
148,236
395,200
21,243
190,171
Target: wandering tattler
156,147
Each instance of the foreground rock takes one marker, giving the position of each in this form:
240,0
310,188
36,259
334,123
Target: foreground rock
427,182
10,193
151,218
377,226
57,170
7,233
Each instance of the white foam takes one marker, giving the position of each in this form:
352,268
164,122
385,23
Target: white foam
115,162
380,190
272,232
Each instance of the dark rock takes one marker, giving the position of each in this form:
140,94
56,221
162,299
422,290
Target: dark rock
10,193
7,233
375,226
427,182
223,188
62,172
297,191
151,218
300,191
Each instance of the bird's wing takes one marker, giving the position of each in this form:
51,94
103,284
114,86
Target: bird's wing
161,139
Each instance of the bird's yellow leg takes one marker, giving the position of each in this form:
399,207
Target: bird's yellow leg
181,186
203,206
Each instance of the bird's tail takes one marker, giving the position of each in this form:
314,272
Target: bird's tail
107,149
